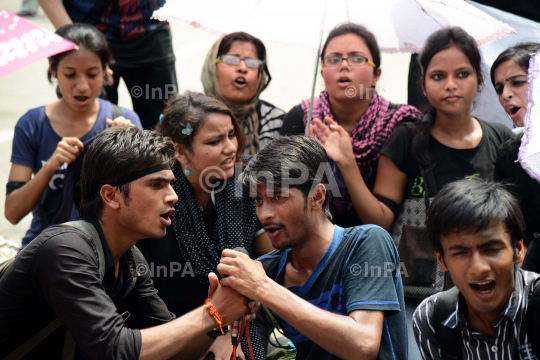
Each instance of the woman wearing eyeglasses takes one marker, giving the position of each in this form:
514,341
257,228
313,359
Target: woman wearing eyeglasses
235,72
350,69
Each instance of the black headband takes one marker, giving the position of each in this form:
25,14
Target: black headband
140,174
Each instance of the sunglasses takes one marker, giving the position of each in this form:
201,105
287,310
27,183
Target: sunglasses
235,60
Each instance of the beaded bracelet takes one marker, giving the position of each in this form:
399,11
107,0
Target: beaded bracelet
214,313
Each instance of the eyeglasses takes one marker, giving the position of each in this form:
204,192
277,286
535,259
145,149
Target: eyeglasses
333,61
235,60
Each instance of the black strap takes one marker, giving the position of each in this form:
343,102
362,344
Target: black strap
533,320
449,338
430,184
116,111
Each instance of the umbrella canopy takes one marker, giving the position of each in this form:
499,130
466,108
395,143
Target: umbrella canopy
399,25
22,43
529,151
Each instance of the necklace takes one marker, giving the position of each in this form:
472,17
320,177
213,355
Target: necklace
201,208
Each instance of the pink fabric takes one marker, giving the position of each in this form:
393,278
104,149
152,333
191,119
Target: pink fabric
22,43
371,132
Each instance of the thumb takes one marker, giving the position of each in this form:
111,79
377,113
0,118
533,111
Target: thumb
108,121
214,283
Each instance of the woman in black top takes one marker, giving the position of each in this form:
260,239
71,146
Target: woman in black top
448,140
212,213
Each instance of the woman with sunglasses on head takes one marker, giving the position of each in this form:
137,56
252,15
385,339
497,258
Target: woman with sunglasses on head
350,69
235,72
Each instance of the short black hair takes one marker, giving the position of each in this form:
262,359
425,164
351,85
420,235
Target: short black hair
115,154
282,160
470,206
360,31
520,53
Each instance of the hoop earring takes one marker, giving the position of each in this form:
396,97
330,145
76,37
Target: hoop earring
187,171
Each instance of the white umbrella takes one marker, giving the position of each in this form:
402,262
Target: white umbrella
529,151
399,25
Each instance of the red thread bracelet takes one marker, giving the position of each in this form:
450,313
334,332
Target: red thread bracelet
214,314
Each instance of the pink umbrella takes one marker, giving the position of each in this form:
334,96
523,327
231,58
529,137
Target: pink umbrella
22,43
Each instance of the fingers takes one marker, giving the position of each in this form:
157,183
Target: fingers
73,142
214,283
108,121
319,134
119,121
322,126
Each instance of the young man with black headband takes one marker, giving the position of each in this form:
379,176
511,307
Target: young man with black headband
126,196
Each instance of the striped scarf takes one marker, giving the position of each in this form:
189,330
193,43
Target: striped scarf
371,131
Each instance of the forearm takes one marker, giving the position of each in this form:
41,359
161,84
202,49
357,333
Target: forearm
185,333
340,335
21,201
368,208
56,12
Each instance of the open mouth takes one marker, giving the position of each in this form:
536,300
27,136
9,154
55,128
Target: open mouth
240,81
484,287
167,216
344,80
272,230
512,110
229,162
81,99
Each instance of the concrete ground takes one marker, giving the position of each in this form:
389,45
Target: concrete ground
291,68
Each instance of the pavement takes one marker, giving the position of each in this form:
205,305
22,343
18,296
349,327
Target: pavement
291,68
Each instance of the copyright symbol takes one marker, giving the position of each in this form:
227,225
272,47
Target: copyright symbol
142,269
350,91
136,91
356,269
208,177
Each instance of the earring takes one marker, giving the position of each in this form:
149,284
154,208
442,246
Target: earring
187,171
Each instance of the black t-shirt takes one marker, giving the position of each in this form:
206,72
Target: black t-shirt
359,271
57,276
452,164
135,39
527,190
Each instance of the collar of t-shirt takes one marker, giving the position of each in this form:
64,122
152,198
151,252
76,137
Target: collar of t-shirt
301,290
128,267
510,312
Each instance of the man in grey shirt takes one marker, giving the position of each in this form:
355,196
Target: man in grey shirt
476,229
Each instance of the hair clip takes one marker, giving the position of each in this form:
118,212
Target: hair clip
188,130
160,118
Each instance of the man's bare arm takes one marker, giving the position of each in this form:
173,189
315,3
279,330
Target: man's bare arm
356,336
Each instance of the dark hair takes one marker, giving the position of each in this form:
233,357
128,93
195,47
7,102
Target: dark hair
472,205
115,154
277,165
520,53
360,31
194,108
438,41
228,40
85,37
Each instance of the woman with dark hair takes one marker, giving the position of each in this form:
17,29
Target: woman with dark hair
448,141
509,75
49,137
236,72
214,213
351,68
